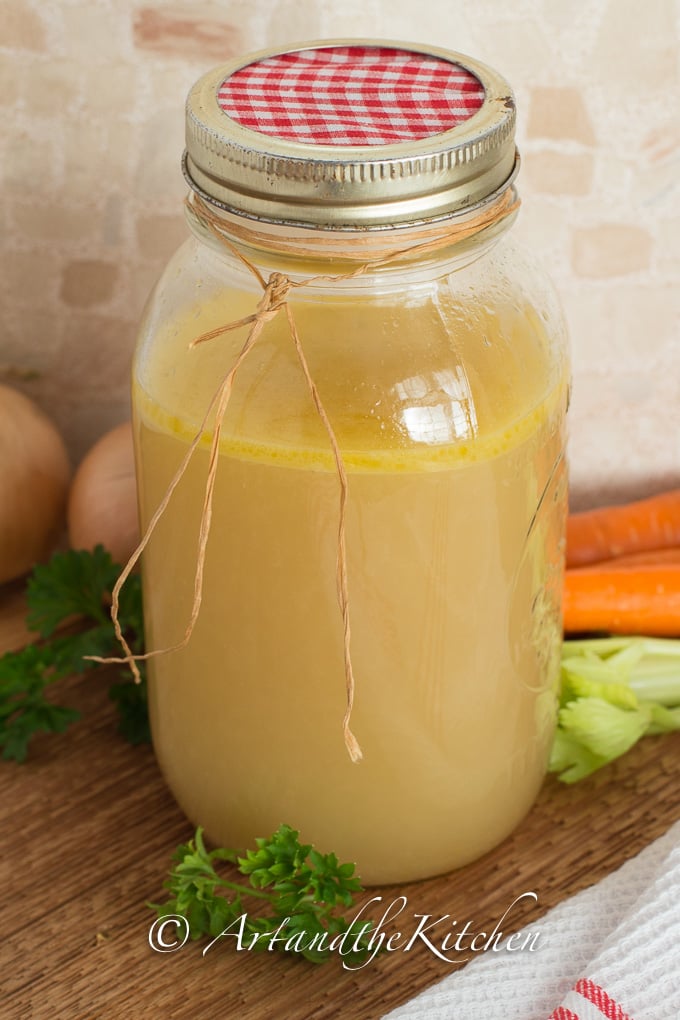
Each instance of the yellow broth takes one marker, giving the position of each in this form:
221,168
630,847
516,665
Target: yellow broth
451,421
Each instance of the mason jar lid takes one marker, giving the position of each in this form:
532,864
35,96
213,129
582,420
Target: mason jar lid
350,134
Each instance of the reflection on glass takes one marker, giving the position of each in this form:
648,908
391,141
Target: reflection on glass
439,406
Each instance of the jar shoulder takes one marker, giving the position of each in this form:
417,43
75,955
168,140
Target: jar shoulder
399,360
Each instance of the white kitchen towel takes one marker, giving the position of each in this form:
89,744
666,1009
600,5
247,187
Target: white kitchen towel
612,951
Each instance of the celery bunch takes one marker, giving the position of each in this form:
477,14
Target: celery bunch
613,691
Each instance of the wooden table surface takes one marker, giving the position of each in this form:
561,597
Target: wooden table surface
88,828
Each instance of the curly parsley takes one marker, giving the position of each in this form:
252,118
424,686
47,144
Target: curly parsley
303,893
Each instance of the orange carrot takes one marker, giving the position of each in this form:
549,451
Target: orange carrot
596,535
657,557
643,599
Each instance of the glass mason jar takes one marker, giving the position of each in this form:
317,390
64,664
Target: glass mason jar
436,352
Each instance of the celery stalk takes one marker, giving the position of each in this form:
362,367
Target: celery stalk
613,692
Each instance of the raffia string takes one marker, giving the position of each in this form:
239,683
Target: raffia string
275,299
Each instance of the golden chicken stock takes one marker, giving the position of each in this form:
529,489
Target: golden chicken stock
450,417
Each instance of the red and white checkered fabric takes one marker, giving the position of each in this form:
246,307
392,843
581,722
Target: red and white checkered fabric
351,95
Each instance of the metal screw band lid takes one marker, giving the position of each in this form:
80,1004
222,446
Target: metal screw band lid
350,134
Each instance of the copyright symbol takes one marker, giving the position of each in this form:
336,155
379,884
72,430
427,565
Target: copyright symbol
157,939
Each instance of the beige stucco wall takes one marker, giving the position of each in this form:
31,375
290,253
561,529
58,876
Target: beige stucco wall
91,126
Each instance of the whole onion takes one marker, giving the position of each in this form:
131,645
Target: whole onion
102,506
34,477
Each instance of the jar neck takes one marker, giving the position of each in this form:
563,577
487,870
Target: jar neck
429,248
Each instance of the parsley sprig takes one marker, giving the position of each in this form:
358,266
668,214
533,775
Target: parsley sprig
72,588
303,890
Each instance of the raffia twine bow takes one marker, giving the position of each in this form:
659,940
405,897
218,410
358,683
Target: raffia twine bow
275,291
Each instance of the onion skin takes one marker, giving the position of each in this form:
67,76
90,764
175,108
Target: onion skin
34,478
102,506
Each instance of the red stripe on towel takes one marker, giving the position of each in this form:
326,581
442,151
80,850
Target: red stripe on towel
593,993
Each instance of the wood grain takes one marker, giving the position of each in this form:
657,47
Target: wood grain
87,829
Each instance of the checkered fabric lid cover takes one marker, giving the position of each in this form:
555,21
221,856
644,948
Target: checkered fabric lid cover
351,95
349,134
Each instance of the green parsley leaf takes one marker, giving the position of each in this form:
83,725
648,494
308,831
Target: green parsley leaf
73,583
72,588
133,713
24,710
302,893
